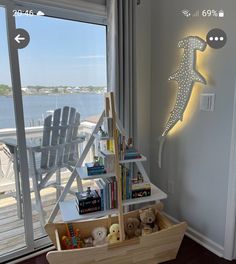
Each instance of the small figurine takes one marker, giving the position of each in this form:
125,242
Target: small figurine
130,143
138,178
114,235
96,161
99,236
102,133
88,192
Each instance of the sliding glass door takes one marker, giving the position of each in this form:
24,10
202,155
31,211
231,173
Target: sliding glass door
62,67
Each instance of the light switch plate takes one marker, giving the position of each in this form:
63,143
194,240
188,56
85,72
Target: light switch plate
207,102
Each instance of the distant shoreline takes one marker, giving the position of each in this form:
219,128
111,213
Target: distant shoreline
50,94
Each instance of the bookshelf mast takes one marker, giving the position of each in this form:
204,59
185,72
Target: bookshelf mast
110,112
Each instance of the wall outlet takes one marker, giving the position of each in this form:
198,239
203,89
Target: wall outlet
170,187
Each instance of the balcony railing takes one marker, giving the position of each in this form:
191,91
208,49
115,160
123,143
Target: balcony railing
7,179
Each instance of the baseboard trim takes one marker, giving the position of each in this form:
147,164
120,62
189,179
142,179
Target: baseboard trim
201,239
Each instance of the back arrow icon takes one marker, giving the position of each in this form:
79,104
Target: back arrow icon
18,38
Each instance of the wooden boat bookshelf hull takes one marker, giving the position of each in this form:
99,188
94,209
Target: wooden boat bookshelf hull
153,248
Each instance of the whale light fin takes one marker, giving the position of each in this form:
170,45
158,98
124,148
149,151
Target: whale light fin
197,77
161,141
174,76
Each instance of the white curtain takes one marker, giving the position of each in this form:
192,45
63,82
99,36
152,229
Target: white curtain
121,59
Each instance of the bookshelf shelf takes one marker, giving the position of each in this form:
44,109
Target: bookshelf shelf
156,195
69,210
143,158
82,171
70,213
102,138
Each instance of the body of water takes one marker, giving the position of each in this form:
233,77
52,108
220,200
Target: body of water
36,107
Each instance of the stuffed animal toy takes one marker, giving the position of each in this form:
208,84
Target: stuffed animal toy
114,235
99,236
132,228
148,221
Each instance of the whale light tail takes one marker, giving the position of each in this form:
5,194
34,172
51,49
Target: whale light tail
161,142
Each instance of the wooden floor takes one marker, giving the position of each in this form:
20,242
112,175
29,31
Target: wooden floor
189,253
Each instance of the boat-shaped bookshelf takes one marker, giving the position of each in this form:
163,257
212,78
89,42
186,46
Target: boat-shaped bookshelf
153,248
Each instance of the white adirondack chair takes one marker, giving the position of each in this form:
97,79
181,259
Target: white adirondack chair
59,149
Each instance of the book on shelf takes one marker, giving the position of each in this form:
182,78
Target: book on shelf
140,193
101,192
93,168
131,153
126,182
140,190
107,188
108,126
108,160
88,201
140,186
110,145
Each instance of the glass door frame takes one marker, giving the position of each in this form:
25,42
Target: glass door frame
89,16
20,132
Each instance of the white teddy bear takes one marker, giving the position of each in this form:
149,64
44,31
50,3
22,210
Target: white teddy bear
99,236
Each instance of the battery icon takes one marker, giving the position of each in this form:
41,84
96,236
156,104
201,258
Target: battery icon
221,13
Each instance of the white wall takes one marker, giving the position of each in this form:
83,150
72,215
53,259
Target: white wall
196,156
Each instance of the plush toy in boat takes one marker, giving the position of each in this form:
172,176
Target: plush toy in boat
114,235
148,221
99,236
132,227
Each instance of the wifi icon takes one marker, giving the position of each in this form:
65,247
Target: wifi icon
186,13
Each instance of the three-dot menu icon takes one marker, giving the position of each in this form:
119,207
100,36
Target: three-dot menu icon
216,38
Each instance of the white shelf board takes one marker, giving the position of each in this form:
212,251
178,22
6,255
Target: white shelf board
102,138
69,212
156,195
83,173
69,209
143,158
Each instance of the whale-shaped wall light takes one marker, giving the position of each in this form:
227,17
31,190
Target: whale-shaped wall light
185,76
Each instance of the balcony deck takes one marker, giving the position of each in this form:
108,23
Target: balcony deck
12,228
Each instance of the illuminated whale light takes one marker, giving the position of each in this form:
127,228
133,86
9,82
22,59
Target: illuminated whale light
185,76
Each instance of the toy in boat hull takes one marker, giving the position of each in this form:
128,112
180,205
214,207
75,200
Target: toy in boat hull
155,248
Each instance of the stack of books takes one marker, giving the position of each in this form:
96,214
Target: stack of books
88,201
95,169
131,153
107,189
140,190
